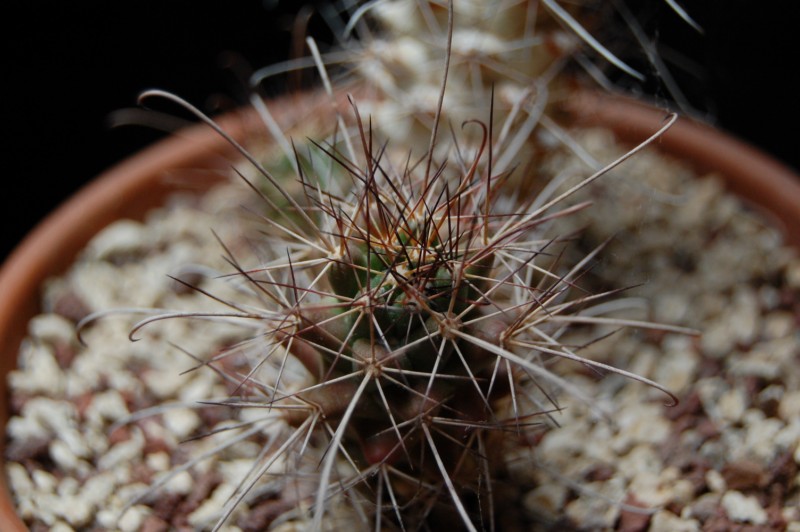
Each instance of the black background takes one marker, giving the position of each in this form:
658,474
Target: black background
67,65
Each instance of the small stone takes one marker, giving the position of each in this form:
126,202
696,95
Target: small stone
641,459
39,372
133,518
778,325
210,508
760,438
593,510
164,384
791,514
561,443
717,340
743,509
123,452
181,483
715,481
97,489
181,422
75,510
63,456
710,391
677,370
789,407
158,461
106,406
732,404
44,481
793,274
671,307
198,388
639,423
703,507
788,436
19,480
547,498
666,521
119,239
745,316
52,328
61,526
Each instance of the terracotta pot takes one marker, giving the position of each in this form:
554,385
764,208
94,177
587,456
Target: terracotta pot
199,157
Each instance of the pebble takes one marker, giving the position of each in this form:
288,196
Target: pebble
715,481
208,512
666,521
638,423
164,384
788,436
52,328
66,459
760,438
789,407
677,370
132,519
744,315
778,324
74,510
547,498
710,391
40,373
181,483
45,482
792,515
60,526
599,507
661,487
732,403
123,452
198,388
118,239
793,274
159,461
743,509
106,406
702,508
98,488
181,422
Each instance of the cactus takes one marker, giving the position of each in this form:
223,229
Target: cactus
405,324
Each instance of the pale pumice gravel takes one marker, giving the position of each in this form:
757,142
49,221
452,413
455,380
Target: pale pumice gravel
727,456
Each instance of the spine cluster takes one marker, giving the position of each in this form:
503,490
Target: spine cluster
407,317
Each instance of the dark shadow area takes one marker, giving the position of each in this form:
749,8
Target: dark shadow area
69,65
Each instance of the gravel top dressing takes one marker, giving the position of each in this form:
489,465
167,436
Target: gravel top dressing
95,426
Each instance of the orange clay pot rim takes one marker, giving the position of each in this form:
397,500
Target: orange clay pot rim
747,171
50,247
